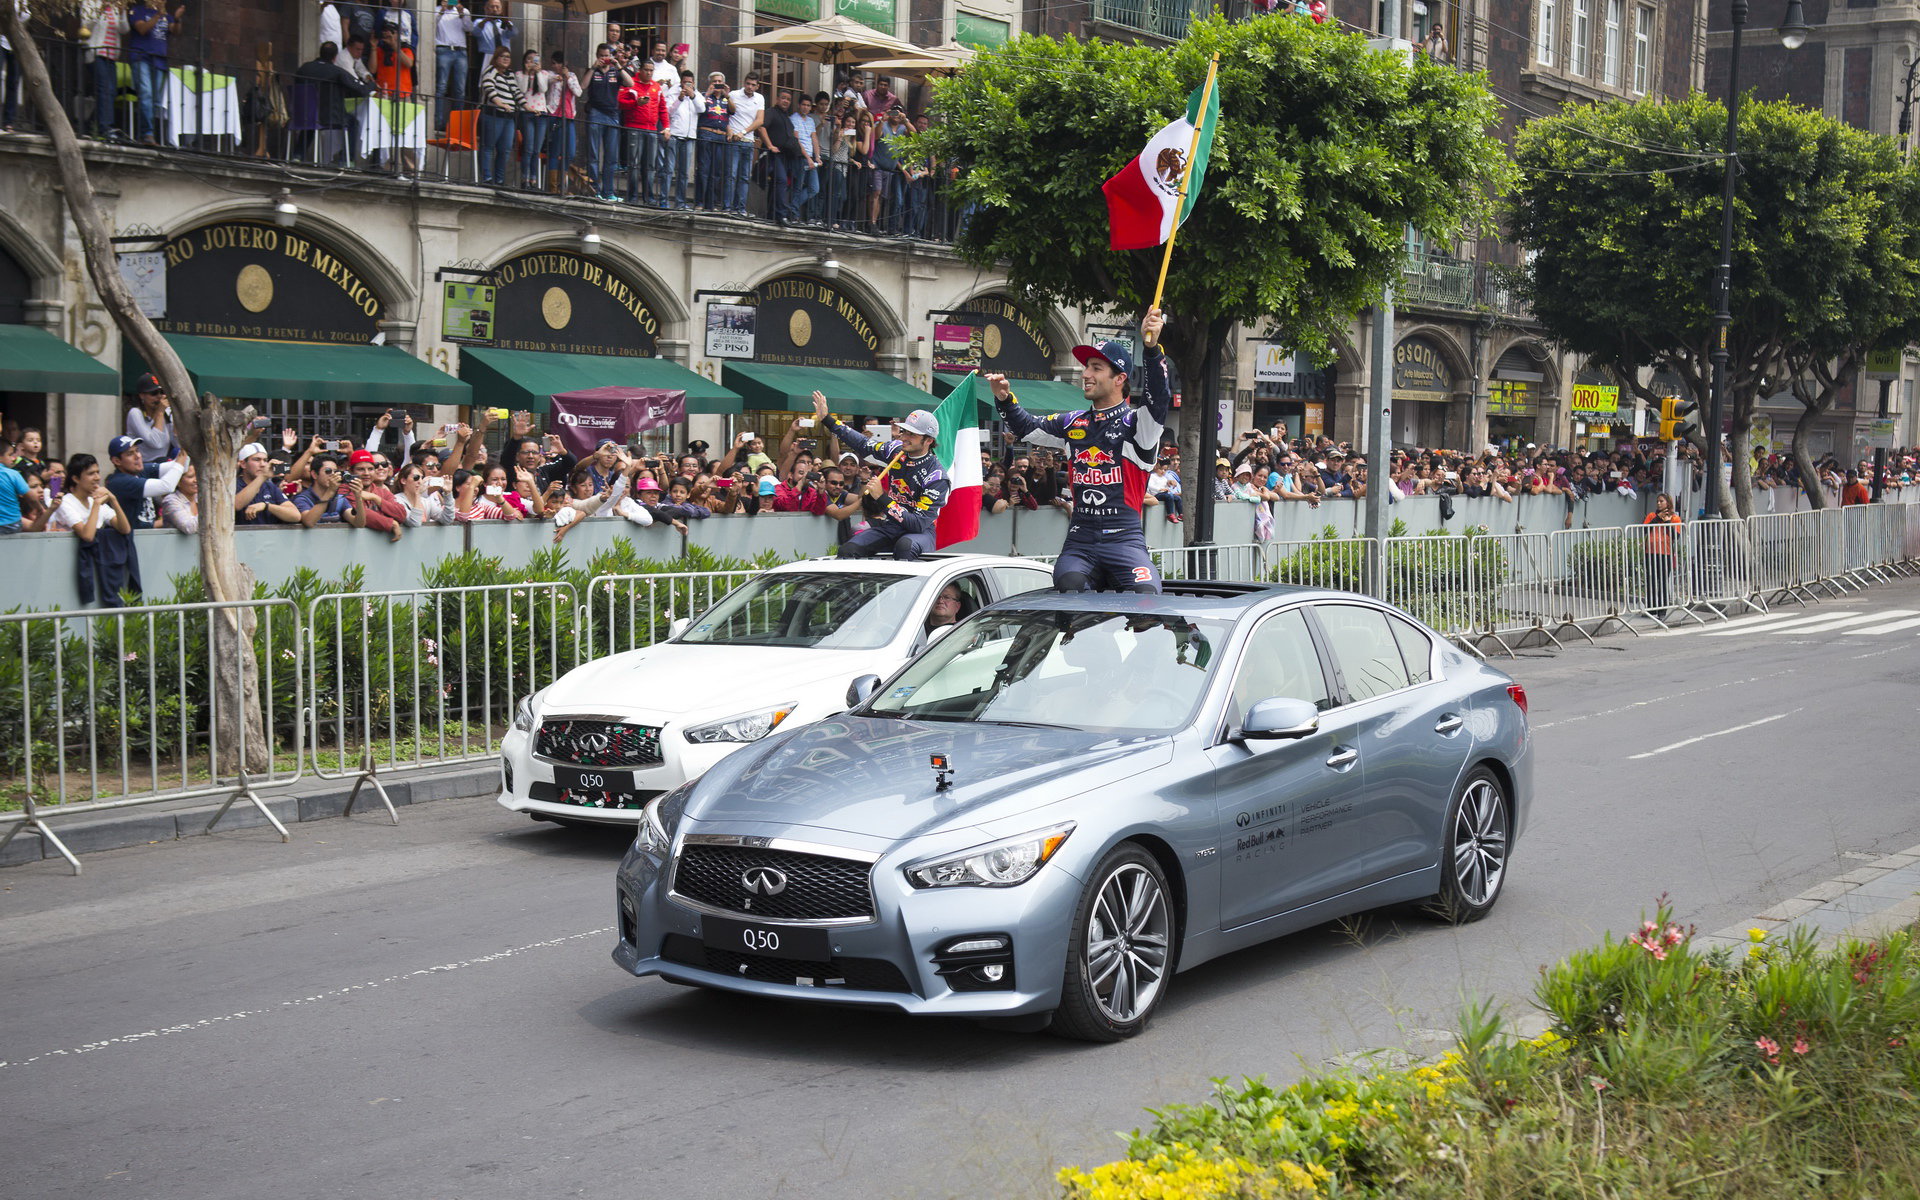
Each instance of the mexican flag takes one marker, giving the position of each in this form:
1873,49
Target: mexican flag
1143,200
959,451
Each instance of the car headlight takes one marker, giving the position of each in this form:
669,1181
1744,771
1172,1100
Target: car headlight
997,864
750,727
523,716
659,818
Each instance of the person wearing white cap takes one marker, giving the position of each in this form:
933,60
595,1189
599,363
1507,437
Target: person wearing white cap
905,497
259,500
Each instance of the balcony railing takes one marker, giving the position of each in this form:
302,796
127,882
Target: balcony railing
1162,18
1447,283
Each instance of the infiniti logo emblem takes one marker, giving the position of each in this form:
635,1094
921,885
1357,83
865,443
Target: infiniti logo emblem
592,743
763,881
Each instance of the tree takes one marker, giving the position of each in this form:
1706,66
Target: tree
209,429
1327,151
1620,205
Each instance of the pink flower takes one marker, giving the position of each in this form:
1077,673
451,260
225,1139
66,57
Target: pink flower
1768,1047
1599,1084
1800,1045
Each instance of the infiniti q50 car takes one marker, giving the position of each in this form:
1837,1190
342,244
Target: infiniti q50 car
1070,798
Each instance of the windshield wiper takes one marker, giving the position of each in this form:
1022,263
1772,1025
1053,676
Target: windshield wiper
1024,724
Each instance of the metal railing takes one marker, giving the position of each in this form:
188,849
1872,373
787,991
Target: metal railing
109,708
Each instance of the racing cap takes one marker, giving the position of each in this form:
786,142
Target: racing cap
359,456
646,485
920,421
148,384
1116,353
121,445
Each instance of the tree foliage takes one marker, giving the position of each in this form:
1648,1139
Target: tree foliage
1326,151
1620,205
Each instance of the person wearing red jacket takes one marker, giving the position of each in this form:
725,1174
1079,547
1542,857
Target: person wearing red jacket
374,507
643,115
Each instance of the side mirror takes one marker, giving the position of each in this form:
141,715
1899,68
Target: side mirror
678,626
1280,718
862,687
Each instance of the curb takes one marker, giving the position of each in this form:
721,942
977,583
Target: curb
167,821
1866,903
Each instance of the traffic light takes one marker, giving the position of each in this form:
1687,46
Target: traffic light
1677,420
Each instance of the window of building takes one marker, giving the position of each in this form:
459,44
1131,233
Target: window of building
1549,32
1610,61
1580,53
1642,50
1422,21
640,25
777,72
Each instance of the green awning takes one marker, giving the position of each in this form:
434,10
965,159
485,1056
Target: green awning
528,379
848,392
1037,395
241,368
33,360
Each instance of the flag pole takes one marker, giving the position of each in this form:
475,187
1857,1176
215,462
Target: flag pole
1193,148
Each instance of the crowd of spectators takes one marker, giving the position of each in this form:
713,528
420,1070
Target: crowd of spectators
399,478
632,124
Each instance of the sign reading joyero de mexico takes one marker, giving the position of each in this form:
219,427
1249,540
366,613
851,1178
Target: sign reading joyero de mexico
565,303
247,279
806,322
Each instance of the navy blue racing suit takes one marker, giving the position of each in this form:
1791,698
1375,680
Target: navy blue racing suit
916,492
1110,453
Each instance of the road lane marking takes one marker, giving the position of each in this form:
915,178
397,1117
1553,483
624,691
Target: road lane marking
332,994
1895,627
1536,726
1763,624
1719,733
1840,622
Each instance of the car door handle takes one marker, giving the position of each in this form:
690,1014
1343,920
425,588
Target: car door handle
1343,757
1449,723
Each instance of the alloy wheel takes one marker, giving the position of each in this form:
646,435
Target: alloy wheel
1480,842
1128,942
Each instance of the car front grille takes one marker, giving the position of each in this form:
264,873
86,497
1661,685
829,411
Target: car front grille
854,974
819,887
598,743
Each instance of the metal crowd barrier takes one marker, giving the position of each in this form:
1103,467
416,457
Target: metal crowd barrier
1243,562
1785,560
1435,578
1346,564
1716,561
428,676
629,612
129,704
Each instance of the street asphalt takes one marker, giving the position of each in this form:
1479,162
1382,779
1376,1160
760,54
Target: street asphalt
428,1010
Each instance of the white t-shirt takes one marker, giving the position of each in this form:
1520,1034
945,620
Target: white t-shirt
665,72
746,110
1163,481
71,514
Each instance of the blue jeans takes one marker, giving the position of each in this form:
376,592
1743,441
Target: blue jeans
450,80
603,152
679,158
739,175
106,85
534,128
150,86
559,147
638,155
782,177
496,145
711,182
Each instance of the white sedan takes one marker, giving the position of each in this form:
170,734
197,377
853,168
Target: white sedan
779,650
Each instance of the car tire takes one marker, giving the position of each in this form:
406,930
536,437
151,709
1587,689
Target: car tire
1476,842
1120,951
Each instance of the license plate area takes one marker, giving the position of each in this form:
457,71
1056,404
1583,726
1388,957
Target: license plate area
800,943
577,780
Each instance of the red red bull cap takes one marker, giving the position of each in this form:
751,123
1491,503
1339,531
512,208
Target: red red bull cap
1117,354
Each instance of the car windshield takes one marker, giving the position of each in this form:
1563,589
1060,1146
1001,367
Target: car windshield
1122,673
822,610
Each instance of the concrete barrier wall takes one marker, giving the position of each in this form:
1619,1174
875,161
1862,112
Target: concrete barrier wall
39,571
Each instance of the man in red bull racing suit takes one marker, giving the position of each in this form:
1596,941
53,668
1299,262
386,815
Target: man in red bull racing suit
1111,449
903,501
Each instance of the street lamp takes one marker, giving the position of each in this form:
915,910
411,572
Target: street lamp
1793,35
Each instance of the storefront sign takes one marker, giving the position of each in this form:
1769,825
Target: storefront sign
145,273
1884,364
583,418
565,303
730,330
992,333
874,14
1420,373
466,314
1274,365
1592,400
1314,421
807,322
1873,434
798,10
981,33
250,280
1510,398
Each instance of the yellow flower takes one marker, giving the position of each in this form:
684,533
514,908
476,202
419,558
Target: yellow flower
1756,934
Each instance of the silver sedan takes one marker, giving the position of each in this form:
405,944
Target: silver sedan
1070,798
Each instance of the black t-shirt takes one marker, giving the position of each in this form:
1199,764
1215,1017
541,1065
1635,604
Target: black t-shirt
778,123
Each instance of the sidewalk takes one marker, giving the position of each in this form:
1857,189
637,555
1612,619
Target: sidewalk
310,799
1865,904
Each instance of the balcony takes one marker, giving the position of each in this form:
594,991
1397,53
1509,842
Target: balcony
1450,283
1166,19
